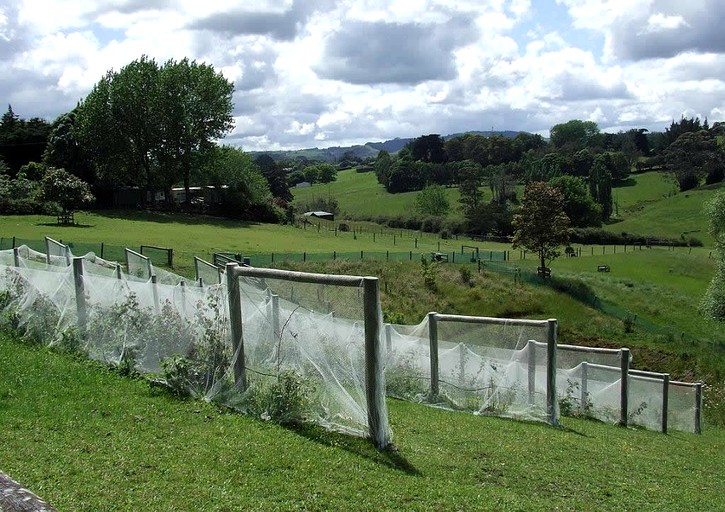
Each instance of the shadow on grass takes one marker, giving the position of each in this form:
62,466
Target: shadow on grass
190,219
629,182
69,226
355,445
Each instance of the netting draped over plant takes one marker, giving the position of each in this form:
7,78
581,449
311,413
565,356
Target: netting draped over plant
305,343
307,347
489,366
319,335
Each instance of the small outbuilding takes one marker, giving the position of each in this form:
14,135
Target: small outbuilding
321,215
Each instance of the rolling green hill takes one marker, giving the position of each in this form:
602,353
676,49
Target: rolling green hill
359,195
647,204
653,206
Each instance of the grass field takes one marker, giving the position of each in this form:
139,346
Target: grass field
360,195
646,204
87,439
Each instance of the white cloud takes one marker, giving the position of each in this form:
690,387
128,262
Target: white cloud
660,22
348,71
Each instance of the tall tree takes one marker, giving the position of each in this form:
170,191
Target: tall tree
146,124
382,166
692,157
429,148
713,303
64,150
196,107
470,178
21,141
432,200
541,226
600,186
574,135
275,176
579,206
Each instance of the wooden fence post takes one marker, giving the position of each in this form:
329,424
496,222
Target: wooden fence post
389,338
433,344
16,255
374,377
551,398
624,387
237,334
698,408
584,386
665,400
531,354
80,293
155,291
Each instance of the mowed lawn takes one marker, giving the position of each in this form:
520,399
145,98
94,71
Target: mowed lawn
87,439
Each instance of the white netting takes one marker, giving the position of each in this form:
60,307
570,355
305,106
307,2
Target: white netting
306,342
138,266
207,272
588,382
487,368
58,251
683,410
313,336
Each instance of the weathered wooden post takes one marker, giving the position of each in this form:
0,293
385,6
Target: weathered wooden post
275,316
551,398
389,338
624,387
531,354
237,334
16,255
433,347
155,292
698,408
80,294
374,378
584,386
665,400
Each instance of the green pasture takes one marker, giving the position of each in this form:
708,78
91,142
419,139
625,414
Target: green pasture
653,206
639,189
86,439
360,195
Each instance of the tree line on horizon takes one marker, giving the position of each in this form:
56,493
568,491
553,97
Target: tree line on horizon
154,128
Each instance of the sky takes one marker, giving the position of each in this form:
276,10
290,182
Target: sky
321,73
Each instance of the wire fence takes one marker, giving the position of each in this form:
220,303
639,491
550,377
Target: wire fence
498,261
585,295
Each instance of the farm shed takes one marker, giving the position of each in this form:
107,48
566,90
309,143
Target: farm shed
321,215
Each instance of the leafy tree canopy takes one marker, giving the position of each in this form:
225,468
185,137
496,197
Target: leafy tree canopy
574,135
146,124
579,206
68,191
541,226
432,200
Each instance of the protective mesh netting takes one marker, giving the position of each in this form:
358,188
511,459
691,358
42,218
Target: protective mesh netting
497,369
317,331
304,344
501,369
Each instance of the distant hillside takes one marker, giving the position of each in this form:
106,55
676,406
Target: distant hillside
369,149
